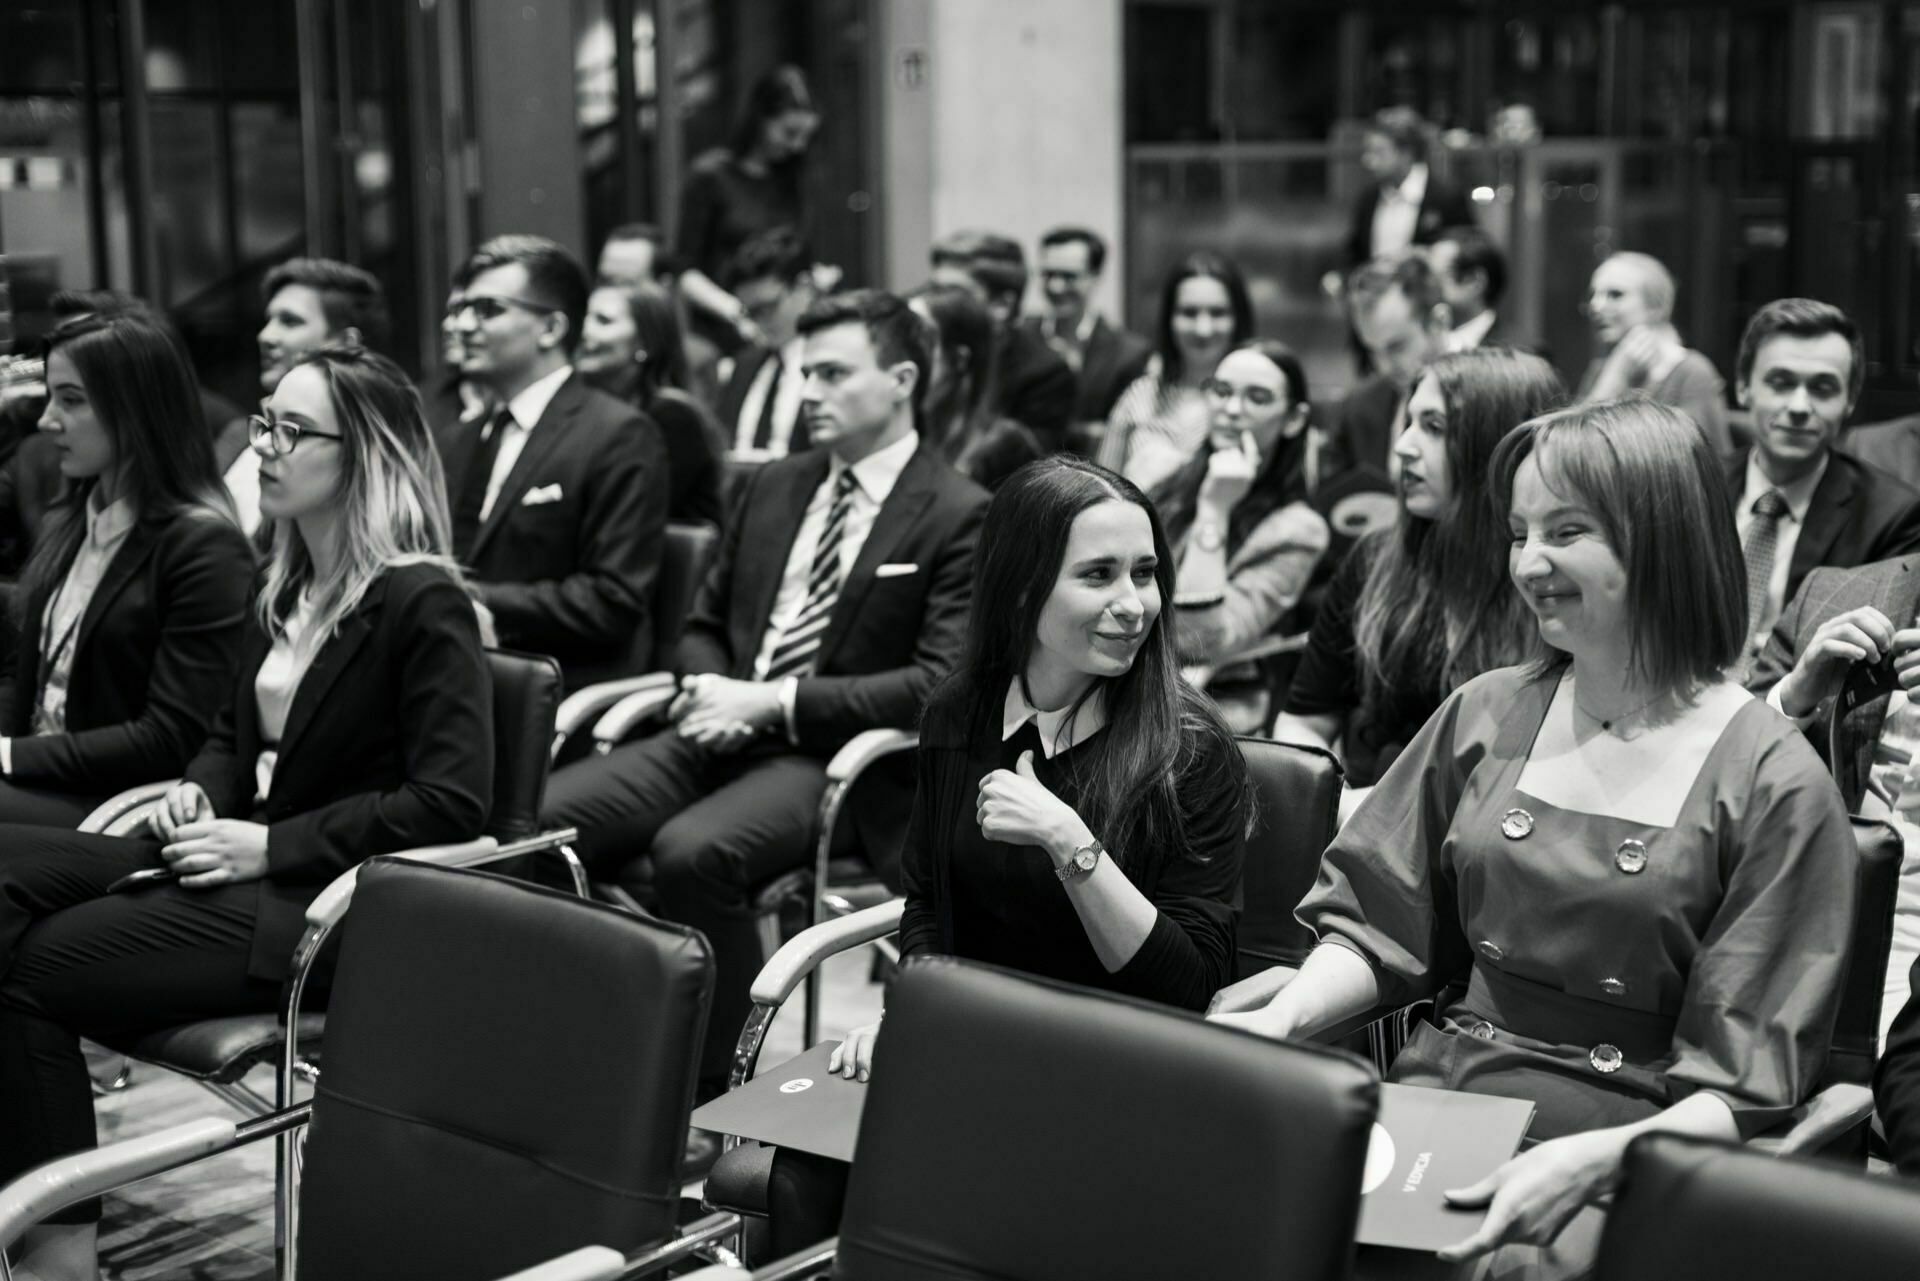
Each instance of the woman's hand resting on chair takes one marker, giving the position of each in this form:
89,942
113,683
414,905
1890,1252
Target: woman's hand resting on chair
183,803
217,851
853,1057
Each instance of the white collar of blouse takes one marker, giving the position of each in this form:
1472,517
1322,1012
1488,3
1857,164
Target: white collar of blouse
1088,720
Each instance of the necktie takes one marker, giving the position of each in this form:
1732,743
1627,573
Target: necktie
800,641
473,485
1762,536
763,430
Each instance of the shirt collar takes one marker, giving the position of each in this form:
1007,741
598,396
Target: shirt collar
1799,494
532,402
106,525
1088,719
879,472
1466,337
1082,332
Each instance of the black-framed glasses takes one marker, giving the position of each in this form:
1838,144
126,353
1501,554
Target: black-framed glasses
283,433
487,307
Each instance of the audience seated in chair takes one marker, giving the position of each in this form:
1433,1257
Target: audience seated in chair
1401,319
1081,811
1613,848
759,404
1033,386
558,491
360,723
1472,274
1896,1082
1799,502
1421,607
838,597
961,414
1104,358
129,615
1630,306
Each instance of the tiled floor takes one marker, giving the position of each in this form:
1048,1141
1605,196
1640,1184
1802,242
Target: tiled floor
214,1221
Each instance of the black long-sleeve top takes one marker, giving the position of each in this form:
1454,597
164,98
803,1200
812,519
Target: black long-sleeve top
1004,905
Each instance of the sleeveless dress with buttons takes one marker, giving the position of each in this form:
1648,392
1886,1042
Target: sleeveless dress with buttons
1601,969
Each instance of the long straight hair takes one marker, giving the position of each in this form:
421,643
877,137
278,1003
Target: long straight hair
141,389
1156,724
1437,598
963,329
392,499
1204,265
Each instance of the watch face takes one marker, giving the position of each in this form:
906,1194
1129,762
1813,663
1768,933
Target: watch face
1085,859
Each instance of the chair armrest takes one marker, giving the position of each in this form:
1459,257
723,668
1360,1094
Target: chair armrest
1819,1121
634,710
800,955
581,706
109,814
866,747
331,904
590,1263
1251,992
68,1179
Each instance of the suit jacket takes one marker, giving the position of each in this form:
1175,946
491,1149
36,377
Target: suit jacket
1109,363
889,638
746,367
570,573
1858,515
1363,428
1444,205
388,746
1896,1083
1037,389
153,658
1893,447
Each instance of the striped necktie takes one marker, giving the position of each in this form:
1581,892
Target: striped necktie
800,641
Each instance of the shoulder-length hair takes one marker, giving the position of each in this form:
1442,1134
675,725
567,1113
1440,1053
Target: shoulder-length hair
141,388
1282,478
1157,725
1437,598
779,90
1201,266
963,330
1660,496
656,327
392,500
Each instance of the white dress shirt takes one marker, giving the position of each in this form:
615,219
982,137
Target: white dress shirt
1396,215
526,409
1468,336
1056,736
278,680
1799,496
786,403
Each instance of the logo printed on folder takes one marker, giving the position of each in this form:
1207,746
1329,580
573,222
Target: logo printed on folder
1425,1142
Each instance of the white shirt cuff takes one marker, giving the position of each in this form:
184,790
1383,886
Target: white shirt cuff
1773,701
789,691
6,757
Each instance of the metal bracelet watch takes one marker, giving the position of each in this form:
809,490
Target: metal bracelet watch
1081,860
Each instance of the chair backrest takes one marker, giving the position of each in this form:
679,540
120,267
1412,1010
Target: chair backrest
1018,1128
683,563
1856,1030
526,696
1297,791
1688,1209
509,1075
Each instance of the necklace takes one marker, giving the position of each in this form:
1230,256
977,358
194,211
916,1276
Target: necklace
1607,725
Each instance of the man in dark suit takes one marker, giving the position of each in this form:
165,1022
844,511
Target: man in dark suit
759,405
1402,321
838,597
1473,282
559,492
1404,205
1103,359
1799,502
1036,388
1896,1082
1892,446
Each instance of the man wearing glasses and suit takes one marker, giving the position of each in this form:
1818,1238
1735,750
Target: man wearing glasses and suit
558,491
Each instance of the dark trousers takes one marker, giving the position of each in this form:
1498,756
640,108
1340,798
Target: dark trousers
715,826
79,962
44,806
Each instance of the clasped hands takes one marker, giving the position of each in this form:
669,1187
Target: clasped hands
723,714
204,851
1863,635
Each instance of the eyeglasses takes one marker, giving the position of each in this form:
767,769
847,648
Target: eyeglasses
491,307
283,432
1257,397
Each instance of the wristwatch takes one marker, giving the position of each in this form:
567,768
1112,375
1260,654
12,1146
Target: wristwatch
1081,860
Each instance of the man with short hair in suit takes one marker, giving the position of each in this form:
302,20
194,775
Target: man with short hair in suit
1104,359
1036,388
1402,320
759,406
1799,502
1473,282
838,597
558,491
1404,205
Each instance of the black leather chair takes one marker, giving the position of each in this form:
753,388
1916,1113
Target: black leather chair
1687,1209
509,1073
1297,792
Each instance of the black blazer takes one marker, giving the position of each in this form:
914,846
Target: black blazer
571,573
388,746
1362,430
1109,363
1892,446
1036,388
889,638
733,397
1896,1082
1858,514
1444,206
153,659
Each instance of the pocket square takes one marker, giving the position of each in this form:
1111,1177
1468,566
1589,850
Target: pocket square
545,494
898,569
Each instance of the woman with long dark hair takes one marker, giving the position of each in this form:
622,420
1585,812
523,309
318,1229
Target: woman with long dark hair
128,617
963,388
631,347
1422,606
1236,512
1205,312
740,191
359,723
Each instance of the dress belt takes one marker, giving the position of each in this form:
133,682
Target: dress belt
1541,1013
